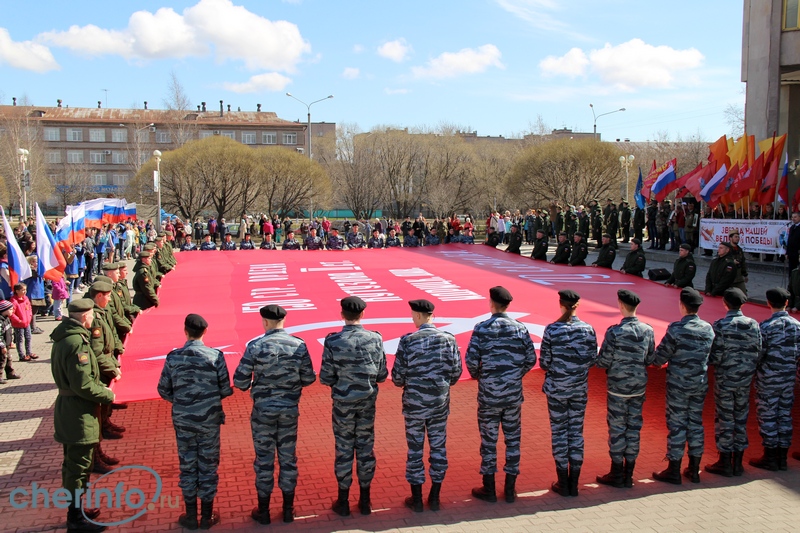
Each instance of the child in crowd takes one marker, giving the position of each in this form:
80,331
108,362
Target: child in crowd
60,293
35,285
6,340
21,320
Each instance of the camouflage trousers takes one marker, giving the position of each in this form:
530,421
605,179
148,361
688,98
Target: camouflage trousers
730,418
624,426
774,413
354,433
271,432
489,421
437,442
198,458
684,423
566,429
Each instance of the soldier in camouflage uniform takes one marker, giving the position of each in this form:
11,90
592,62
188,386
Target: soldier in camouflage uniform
775,380
737,343
628,349
335,242
195,380
375,241
411,240
579,250
313,241
684,270
607,253
562,250
635,261
275,367
568,350
500,353
143,283
207,245
686,346
355,239
392,240
432,238
228,244
289,243
267,243
247,243
427,364
353,363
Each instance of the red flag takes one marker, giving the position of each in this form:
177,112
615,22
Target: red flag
680,184
766,193
724,187
718,153
696,183
750,179
649,181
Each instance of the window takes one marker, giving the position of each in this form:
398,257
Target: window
119,136
75,135
289,138
248,138
75,156
99,178
97,158
144,157
229,134
791,14
54,158
119,158
269,137
206,134
120,179
163,137
52,134
143,136
97,136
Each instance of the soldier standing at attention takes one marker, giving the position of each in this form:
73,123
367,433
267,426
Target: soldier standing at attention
228,243
628,349
568,350
427,364
635,261
207,245
275,367
335,242
562,250
607,253
737,343
313,241
686,346
247,243
722,271
540,246
195,380
500,353
289,243
353,363
143,284
741,263
355,239
80,393
775,377
267,243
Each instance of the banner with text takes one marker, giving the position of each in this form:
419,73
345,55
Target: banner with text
756,236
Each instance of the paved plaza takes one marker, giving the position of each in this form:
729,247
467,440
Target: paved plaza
758,501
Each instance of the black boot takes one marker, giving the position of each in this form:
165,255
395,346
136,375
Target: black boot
509,489
288,507
738,468
630,465
188,520
692,471
342,504
574,476
208,517
261,513
782,454
414,502
615,478
77,523
768,461
107,459
99,467
487,492
562,485
433,496
672,474
723,466
364,501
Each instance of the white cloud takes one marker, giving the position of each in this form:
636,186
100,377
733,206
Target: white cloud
396,91
271,81
629,65
396,50
234,33
537,13
572,64
357,48
351,73
465,61
25,55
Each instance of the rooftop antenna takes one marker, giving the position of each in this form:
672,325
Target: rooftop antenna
106,91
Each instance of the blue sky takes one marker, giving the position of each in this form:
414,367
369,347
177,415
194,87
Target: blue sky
487,65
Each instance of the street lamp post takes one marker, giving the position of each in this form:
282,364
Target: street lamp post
23,158
626,163
308,108
157,184
601,115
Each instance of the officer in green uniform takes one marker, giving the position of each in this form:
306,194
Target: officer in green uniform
144,284
120,321
131,311
153,265
80,394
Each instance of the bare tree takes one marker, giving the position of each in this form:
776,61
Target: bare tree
398,162
290,183
72,182
23,130
180,122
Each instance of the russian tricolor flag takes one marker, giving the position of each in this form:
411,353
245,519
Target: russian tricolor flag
114,210
708,190
94,212
18,267
51,260
663,179
783,188
130,211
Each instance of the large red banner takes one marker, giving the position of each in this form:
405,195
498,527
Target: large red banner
228,288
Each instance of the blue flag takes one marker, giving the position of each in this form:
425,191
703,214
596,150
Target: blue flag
640,203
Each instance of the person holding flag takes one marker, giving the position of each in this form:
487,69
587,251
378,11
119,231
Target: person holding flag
13,265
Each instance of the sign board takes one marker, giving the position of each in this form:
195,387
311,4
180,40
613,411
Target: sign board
756,236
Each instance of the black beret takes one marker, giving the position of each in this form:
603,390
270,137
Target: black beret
564,233
777,296
689,296
101,286
568,296
195,322
500,295
80,305
578,234
540,230
726,244
335,229
637,242
421,306
606,236
734,297
272,312
376,230
686,246
353,304
628,297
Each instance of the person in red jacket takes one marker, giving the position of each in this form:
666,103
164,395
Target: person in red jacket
21,321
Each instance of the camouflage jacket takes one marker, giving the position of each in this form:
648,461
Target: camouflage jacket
777,361
568,351
686,346
737,343
353,363
335,243
628,349
355,240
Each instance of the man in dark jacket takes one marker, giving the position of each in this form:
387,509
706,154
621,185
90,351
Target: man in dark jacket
607,253
722,271
684,270
635,261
